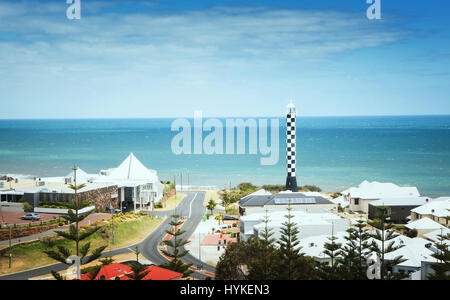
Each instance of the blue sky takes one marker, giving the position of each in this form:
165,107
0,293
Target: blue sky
227,58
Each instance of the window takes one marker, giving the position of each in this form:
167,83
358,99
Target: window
356,201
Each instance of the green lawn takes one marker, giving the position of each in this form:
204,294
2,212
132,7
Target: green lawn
125,234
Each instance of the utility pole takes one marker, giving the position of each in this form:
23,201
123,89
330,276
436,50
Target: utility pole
200,267
175,185
188,179
112,222
181,181
10,248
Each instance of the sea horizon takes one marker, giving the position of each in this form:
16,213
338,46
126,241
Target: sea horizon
333,153
223,117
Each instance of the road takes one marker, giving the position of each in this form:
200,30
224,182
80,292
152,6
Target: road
191,207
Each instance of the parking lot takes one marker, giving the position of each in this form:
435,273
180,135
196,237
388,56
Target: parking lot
11,218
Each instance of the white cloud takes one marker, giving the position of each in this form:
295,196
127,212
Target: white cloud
131,51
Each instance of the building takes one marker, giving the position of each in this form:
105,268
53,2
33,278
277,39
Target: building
437,210
291,180
138,185
424,225
309,223
38,192
129,186
360,197
306,201
434,235
399,208
415,251
119,271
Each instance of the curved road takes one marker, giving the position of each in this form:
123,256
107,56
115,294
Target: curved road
191,207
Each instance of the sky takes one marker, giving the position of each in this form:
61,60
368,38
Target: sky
168,58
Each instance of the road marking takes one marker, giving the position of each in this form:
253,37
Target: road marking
190,206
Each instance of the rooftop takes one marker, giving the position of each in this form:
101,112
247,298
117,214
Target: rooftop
424,223
378,190
284,198
110,272
439,208
401,201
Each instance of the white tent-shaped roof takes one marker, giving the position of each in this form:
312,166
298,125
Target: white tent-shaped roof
132,169
82,176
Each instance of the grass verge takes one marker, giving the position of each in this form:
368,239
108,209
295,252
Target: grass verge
31,256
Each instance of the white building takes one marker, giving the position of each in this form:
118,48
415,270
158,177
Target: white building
424,225
415,251
309,224
438,210
360,197
135,186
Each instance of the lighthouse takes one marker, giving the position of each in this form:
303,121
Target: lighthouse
291,180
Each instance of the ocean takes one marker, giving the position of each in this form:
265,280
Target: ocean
332,152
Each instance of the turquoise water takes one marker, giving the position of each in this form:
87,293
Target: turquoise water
332,152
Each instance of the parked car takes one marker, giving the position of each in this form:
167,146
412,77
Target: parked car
32,217
229,218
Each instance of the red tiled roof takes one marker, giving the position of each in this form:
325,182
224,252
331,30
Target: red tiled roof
120,270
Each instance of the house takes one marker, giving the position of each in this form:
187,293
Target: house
437,210
424,225
119,271
360,197
399,208
415,251
309,223
434,235
341,201
305,201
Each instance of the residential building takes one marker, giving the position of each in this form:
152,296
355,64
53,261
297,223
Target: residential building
437,210
305,201
424,225
399,208
309,223
360,197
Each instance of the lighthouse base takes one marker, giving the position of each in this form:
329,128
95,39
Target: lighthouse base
291,184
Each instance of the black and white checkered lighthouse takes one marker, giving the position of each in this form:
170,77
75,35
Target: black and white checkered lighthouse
291,180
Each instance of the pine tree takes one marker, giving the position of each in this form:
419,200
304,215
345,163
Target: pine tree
176,242
442,267
138,271
263,266
385,235
74,233
332,250
354,253
289,250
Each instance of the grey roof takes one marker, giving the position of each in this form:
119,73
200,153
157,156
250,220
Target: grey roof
262,200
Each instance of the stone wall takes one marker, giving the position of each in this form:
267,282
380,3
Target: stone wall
101,198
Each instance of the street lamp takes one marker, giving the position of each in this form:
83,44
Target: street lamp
112,222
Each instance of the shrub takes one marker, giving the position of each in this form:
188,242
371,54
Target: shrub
158,205
411,233
27,207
